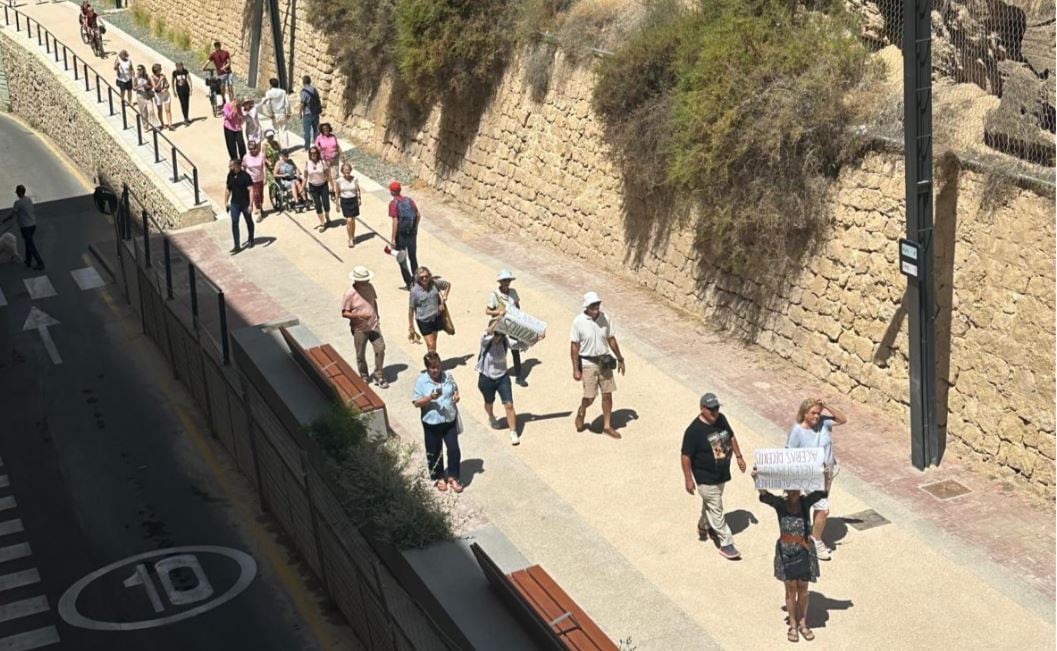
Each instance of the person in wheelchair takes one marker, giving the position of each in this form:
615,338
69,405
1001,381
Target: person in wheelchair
286,178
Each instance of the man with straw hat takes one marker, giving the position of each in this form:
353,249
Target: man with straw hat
360,307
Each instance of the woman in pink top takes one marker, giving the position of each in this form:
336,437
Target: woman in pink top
253,164
319,182
329,150
233,130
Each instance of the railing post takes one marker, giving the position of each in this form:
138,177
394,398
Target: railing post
38,35
194,180
224,345
47,43
18,22
76,72
157,158
125,230
124,115
65,61
194,294
98,90
55,49
139,129
86,87
146,239
168,267
110,98
175,171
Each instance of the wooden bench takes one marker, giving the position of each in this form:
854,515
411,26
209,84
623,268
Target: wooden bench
334,377
546,610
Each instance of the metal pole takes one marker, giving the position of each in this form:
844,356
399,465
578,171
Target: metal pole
275,17
110,98
124,115
98,90
125,213
146,239
194,180
194,293
917,119
157,158
47,43
175,170
168,267
86,87
139,129
224,345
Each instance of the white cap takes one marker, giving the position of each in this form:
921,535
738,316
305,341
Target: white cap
590,298
505,275
360,274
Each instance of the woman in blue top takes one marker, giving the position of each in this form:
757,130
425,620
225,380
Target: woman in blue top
436,394
814,430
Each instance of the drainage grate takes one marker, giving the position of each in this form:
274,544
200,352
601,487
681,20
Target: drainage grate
946,489
864,520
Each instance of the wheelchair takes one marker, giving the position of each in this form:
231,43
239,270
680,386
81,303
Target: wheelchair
282,196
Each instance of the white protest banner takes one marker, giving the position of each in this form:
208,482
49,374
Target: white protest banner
525,328
790,469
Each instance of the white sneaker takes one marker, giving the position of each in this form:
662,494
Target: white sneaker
514,438
821,551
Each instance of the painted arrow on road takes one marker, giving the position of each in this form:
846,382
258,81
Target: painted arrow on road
40,321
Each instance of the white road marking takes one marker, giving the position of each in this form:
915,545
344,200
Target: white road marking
4,481
12,552
87,278
19,579
9,527
7,503
30,639
39,287
3,299
23,608
39,320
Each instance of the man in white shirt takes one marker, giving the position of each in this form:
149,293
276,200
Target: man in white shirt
595,354
276,107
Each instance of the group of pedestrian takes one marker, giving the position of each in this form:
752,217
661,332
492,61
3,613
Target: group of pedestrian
153,90
708,446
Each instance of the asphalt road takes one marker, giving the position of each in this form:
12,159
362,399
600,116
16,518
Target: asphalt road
102,461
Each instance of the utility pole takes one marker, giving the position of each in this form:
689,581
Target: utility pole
916,259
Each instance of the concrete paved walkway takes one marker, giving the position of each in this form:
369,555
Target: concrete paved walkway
609,519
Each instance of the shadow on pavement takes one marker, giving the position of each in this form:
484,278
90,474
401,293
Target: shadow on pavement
454,362
393,371
620,418
527,366
819,607
740,519
836,530
526,418
470,468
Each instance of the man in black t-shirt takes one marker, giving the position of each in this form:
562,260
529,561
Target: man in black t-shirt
708,444
237,200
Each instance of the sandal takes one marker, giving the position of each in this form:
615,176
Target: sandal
792,635
806,632
441,485
381,383
321,228
612,433
455,485
579,422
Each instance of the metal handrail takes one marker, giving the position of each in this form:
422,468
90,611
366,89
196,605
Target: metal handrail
86,72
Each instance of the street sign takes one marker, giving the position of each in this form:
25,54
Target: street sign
909,258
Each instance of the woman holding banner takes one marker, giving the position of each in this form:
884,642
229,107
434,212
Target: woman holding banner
795,560
815,430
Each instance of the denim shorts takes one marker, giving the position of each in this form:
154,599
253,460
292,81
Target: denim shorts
490,387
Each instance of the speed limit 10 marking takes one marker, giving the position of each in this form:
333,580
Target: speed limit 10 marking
170,595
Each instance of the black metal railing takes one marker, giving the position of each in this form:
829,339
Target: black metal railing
163,147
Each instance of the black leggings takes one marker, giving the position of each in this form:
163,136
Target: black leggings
236,144
184,96
320,197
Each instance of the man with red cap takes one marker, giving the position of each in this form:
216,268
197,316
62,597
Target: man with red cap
405,217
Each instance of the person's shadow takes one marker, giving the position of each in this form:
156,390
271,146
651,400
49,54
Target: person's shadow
526,418
263,241
620,419
819,607
393,371
835,531
454,362
527,366
470,468
360,239
739,520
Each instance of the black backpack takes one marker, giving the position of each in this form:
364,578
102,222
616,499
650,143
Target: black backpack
314,105
405,217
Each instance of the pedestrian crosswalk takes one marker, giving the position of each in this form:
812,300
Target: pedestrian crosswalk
23,606
41,287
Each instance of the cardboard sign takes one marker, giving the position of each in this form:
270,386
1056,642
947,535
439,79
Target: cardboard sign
521,326
800,469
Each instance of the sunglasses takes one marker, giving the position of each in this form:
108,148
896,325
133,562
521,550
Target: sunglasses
713,409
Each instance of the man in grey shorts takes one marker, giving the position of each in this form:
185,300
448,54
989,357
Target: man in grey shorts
595,355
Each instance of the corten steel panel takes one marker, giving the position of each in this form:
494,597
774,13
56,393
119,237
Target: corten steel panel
219,395
344,582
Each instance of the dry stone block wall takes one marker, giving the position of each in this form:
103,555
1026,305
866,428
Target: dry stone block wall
543,168
60,108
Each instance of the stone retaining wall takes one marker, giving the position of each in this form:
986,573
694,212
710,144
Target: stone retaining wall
542,167
59,107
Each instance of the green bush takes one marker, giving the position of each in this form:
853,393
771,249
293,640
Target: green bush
182,39
741,105
158,28
364,54
452,48
140,15
379,483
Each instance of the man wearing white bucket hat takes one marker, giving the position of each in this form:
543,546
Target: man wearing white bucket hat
595,355
360,307
499,300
